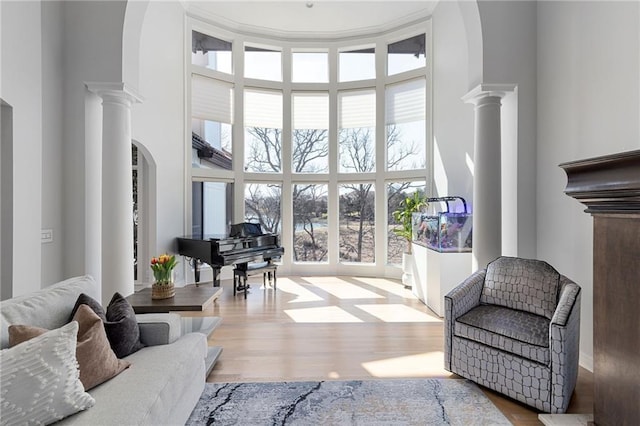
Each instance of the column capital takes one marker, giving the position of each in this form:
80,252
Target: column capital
486,90
114,91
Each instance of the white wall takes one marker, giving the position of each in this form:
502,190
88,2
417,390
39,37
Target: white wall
52,101
509,57
588,105
158,122
92,41
452,118
22,89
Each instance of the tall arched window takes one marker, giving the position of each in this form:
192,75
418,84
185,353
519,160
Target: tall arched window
317,141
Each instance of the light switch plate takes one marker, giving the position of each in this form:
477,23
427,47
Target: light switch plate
46,236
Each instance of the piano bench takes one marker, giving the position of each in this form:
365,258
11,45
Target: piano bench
268,270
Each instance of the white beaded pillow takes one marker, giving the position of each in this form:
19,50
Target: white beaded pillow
40,379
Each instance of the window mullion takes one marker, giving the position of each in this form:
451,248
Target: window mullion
287,190
332,192
238,131
381,158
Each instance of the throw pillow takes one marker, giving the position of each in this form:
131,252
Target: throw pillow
122,327
40,379
22,333
84,299
97,361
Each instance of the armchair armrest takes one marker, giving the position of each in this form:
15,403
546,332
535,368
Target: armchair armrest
465,296
457,302
568,301
159,329
564,342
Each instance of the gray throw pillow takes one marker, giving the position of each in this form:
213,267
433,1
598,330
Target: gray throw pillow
84,299
122,327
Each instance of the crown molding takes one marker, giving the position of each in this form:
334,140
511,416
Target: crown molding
204,14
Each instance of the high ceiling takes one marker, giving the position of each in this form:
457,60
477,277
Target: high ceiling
325,18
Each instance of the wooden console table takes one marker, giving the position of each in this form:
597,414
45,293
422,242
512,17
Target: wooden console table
187,298
610,187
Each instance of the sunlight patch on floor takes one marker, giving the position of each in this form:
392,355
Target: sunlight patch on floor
389,286
429,364
328,314
397,313
302,294
342,289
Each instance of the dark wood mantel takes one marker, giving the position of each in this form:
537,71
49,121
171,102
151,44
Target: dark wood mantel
610,188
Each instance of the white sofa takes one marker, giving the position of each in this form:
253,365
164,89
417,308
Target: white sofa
165,379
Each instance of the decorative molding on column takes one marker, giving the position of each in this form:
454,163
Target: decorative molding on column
117,90
486,90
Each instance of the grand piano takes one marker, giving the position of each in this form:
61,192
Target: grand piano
245,243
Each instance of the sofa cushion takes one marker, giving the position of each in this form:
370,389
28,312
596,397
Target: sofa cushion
47,308
40,379
518,332
161,387
122,327
522,284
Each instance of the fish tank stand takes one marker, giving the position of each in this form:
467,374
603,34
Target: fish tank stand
441,250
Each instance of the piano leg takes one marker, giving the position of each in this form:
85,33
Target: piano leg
196,271
216,277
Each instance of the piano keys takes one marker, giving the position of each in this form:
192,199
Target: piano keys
221,250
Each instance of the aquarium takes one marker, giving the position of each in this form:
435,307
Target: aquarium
445,232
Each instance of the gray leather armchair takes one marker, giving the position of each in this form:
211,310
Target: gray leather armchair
515,328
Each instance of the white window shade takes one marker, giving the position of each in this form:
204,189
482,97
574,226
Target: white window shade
406,102
310,111
211,99
357,109
263,108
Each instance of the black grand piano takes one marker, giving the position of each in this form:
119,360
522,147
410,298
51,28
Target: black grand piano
245,243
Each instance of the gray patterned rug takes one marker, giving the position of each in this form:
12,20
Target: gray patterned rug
368,402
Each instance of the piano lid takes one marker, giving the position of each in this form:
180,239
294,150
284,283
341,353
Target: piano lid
245,229
212,237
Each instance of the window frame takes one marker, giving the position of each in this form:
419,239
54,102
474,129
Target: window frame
333,177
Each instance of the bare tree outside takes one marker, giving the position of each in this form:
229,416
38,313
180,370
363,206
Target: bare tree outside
356,202
262,205
264,150
310,147
357,222
310,151
310,223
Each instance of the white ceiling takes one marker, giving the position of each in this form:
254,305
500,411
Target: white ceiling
327,18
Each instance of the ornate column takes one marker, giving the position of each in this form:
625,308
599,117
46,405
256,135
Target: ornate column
487,208
116,188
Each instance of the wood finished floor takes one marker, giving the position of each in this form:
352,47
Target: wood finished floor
331,328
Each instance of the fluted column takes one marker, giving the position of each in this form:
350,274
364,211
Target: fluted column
487,188
117,190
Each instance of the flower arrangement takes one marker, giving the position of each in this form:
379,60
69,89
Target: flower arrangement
162,266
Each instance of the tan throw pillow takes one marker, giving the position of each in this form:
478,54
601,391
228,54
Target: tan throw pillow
97,361
22,333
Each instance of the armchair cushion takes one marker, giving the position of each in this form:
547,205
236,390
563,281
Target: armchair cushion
522,284
517,332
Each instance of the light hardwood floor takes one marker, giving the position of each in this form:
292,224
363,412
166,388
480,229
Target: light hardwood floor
330,328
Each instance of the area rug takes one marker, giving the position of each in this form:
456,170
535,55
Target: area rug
355,402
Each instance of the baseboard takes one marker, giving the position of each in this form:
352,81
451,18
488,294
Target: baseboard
586,361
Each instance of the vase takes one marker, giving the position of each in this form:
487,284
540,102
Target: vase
162,291
407,270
